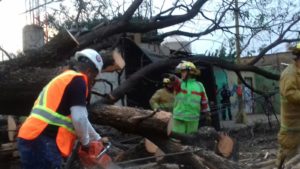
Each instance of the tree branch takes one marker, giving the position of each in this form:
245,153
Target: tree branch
32,9
249,40
278,41
171,10
135,78
121,26
130,11
6,53
249,86
80,8
216,25
172,20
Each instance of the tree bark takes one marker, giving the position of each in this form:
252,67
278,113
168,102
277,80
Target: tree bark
20,86
154,127
169,64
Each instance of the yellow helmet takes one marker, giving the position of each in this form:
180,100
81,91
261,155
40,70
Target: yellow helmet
166,80
187,65
296,50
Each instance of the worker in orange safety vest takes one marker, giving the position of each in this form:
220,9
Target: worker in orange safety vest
59,115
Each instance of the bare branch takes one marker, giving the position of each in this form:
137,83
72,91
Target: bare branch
130,11
172,20
6,53
215,26
295,31
269,47
249,40
207,31
32,9
81,6
171,10
278,41
249,86
290,40
124,26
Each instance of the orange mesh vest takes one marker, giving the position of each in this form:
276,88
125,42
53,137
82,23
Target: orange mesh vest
44,112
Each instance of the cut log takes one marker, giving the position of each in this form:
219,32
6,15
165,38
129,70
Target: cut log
154,128
12,128
150,147
225,145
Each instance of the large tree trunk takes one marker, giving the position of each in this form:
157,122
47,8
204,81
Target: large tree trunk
154,127
20,88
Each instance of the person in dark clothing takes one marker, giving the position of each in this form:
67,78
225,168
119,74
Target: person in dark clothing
226,94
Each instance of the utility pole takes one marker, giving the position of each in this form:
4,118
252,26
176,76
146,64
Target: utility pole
237,32
241,116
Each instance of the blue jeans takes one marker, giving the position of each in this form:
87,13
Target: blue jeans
40,153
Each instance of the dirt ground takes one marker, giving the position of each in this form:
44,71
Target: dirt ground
257,141
258,150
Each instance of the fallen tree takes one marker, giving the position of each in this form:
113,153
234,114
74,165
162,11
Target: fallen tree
141,122
22,78
25,76
26,83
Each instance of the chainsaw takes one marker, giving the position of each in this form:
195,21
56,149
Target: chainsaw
95,156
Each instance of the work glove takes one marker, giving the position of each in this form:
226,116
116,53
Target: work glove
157,110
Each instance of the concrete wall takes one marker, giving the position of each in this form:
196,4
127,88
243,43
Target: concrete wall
248,95
224,77
273,63
33,37
230,78
268,85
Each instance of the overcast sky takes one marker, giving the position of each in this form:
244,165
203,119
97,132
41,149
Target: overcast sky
13,20
11,24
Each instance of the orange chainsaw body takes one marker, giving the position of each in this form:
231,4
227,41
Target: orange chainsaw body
91,157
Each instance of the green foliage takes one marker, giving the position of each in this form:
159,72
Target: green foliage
223,54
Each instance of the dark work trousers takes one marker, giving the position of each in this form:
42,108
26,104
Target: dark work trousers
226,105
40,153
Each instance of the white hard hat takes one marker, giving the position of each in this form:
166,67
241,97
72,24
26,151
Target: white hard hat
92,55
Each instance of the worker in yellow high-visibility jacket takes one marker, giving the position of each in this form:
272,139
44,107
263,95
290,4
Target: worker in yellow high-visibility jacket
289,134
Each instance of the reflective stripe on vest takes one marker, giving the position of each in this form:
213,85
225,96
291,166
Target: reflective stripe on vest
190,117
52,117
284,127
44,113
289,129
